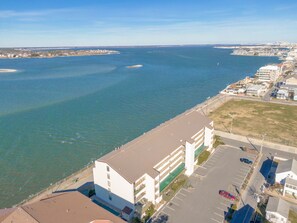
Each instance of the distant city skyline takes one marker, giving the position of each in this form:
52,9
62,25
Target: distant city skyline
130,23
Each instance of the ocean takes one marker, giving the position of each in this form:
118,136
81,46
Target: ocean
59,114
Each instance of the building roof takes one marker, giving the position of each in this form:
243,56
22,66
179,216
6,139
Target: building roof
71,207
139,156
279,206
291,81
270,67
254,87
288,165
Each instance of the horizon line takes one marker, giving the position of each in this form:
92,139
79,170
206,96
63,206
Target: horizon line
142,45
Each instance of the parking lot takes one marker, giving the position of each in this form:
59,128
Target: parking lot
201,202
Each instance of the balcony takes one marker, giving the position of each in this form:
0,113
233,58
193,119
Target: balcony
137,183
136,191
139,197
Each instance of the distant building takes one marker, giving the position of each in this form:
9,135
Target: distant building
291,81
268,73
286,169
135,174
71,207
295,94
255,90
282,93
277,210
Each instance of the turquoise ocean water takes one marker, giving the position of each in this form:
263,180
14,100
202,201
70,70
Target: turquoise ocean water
58,114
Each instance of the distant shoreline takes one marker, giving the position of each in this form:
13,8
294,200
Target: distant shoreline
19,54
7,70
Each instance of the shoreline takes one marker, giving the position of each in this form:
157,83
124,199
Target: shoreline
82,176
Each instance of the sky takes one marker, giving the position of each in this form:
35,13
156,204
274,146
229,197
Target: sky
34,23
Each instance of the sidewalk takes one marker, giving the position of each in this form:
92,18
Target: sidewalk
81,180
258,142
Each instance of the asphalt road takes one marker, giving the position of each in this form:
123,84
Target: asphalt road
202,203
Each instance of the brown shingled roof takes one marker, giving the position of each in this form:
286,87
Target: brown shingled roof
140,155
71,207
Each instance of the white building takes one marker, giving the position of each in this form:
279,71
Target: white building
277,210
255,90
290,187
286,169
268,73
282,93
138,172
295,94
291,81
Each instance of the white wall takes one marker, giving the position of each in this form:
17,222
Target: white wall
122,192
208,137
189,158
150,189
280,177
275,217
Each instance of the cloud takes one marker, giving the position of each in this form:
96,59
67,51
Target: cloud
6,14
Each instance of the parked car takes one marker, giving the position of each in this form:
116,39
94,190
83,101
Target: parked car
227,195
245,160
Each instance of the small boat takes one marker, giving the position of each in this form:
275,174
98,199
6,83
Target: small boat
134,66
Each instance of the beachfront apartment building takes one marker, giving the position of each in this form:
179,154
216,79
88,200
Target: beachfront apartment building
135,174
269,73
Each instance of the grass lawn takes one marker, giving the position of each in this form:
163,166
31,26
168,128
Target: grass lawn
177,184
293,216
250,118
203,157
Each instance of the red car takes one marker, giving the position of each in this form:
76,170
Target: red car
227,195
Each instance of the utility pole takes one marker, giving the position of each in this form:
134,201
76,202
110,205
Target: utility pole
232,118
261,148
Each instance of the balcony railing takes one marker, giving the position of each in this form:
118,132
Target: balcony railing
136,191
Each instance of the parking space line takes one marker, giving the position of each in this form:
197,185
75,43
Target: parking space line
179,198
227,205
184,189
221,209
220,215
236,184
170,208
241,175
244,169
165,213
216,220
174,203
182,194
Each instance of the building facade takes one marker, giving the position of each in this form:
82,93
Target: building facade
136,174
286,169
268,73
277,210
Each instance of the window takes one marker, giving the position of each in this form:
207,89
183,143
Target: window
109,197
107,168
108,183
108,176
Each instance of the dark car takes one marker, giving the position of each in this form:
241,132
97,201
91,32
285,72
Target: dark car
227,195
245,160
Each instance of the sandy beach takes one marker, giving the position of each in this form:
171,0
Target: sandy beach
7,70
